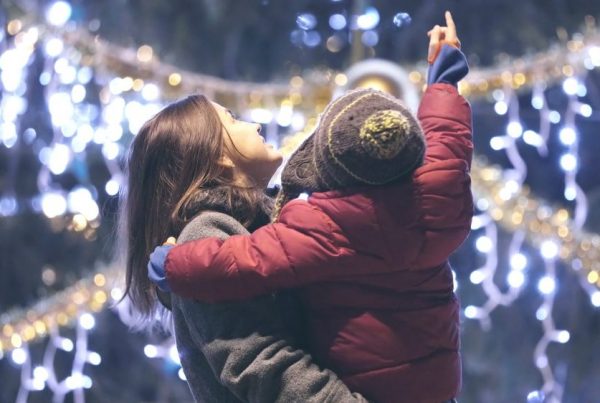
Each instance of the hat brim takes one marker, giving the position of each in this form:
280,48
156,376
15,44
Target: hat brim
299,173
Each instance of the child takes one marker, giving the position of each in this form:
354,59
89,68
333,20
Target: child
369,248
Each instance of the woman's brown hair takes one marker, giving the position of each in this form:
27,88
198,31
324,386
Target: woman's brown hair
174,158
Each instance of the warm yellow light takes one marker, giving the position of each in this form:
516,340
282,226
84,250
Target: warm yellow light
174,79
39,326
79,222
415,77
16,341
592,277
497,214
14,26
100,297
78,298
376,83
519,79
567,70
7,330
28,333
563,231
341,79
138,84
506,76
145,53
517,218
296,98
62,318
562,215
99,280
296,81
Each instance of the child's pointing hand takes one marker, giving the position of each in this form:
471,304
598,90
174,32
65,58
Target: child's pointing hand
439,36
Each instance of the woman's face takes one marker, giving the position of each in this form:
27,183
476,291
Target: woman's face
251,156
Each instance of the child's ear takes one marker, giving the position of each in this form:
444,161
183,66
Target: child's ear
226,162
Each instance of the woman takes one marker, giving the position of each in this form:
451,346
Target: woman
196,171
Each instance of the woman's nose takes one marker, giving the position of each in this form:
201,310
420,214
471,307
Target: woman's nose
258,127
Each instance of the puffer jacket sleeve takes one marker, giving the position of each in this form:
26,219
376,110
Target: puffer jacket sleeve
304,247
446,120
246,344
443,184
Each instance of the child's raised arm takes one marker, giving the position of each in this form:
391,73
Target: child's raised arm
445,115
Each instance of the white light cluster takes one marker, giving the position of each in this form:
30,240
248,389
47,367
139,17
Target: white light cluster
517,277
43,376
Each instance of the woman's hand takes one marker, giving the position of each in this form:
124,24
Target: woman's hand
439,36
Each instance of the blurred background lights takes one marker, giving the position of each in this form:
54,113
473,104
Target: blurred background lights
514,129
477,276
19,356
150,351
54,47
501,107
402,20
53,204
369,19
518,261
307,21
554,117
568,162
94,358
549,249
532,138
595,298
174,354
471,312
570,86
58,13
515,278
66,344
563,336
312,39
484,244
541,313
337,21
546,285
40,373
537,101
87,321
567,136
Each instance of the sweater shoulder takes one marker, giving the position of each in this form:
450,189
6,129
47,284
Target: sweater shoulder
211,224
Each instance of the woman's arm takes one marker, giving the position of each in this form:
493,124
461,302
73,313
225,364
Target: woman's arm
247,344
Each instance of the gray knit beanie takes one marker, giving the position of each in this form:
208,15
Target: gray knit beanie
365,137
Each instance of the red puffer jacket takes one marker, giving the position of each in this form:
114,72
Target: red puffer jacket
372,263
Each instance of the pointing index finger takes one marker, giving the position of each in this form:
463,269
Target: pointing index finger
450,22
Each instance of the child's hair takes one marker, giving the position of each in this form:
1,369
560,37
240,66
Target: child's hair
283,196
172,161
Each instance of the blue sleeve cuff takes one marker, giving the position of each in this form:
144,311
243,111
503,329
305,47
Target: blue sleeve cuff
156,267
449,67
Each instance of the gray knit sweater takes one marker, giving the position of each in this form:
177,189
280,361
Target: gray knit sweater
232,352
